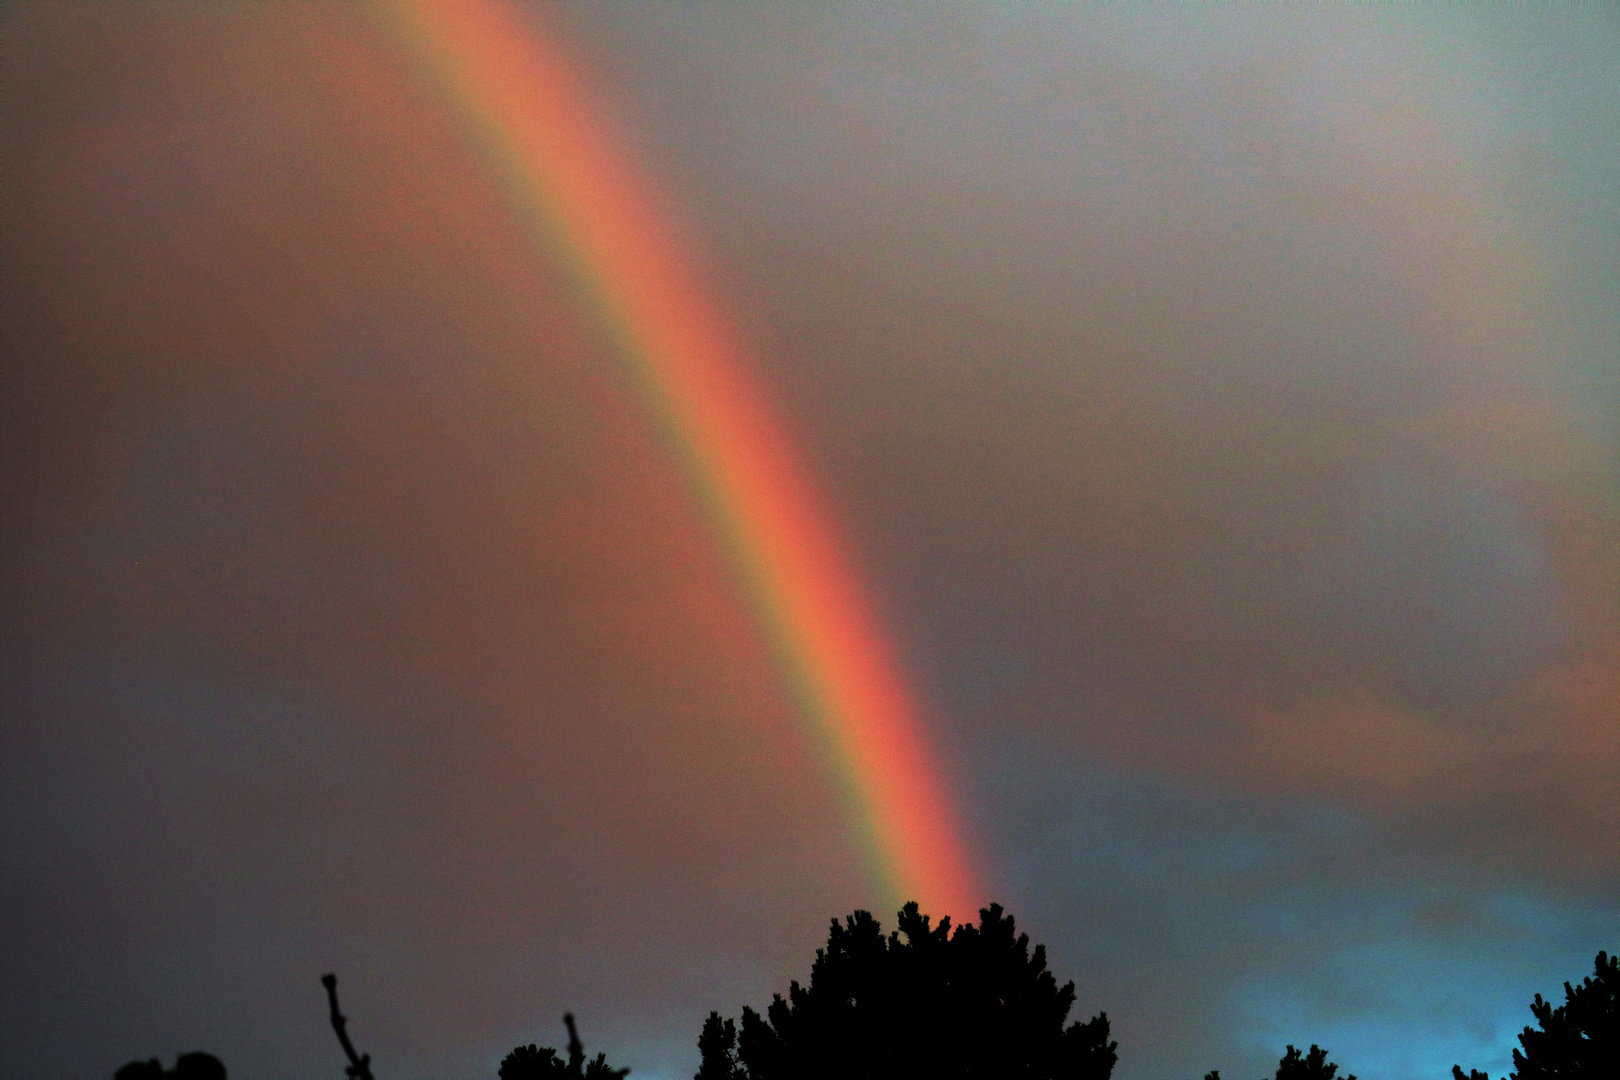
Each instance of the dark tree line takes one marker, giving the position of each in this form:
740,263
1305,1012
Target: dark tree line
965,1003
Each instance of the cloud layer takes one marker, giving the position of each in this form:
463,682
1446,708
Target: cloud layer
1218,401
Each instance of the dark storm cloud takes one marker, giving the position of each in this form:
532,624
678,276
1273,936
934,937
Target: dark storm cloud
1198,389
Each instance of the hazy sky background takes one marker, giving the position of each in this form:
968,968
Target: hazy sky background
1224,403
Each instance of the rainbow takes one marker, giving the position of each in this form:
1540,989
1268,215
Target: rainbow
515,90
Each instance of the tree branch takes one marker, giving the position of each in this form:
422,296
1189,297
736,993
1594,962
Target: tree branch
359,1067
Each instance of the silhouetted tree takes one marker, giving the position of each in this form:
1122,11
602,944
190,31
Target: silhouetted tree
193,1066
1311,1066
543,1063
532,1063
920,1002
718,1047
1579,1040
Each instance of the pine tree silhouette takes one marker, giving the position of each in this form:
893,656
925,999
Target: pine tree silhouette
1311,1066
920,1002
1578,1040
718,1047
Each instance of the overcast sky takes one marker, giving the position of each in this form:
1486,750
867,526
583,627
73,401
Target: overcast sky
1224,405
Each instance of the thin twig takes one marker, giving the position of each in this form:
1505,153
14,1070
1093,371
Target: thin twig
359,1064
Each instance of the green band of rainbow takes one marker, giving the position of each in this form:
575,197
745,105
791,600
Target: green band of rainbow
515,89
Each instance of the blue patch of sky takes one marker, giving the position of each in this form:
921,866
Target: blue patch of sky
1411,1000
1272,921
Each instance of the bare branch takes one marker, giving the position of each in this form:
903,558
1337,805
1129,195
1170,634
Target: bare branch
359,1067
